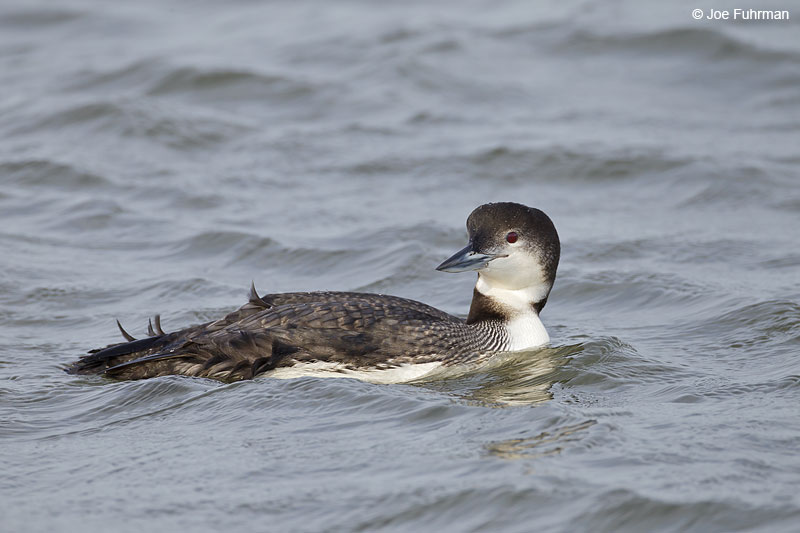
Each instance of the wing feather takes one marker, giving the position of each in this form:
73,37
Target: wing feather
353,329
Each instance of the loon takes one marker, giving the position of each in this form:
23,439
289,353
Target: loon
515,250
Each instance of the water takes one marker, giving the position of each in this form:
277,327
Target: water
155,157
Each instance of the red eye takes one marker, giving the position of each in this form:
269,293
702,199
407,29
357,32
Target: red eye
512,237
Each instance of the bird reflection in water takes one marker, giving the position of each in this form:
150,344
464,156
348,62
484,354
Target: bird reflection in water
545,443
519,378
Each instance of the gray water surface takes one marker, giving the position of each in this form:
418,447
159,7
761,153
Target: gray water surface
155,157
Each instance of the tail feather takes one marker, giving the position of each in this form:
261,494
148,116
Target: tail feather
145,359
128,336
99,360
218,349
206,361
157,320
255,299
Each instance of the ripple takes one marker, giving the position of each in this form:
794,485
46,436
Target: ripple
176,127
39,17
228,244
91,215
665,249
442,508
739,187
133,75
505,380
772,322
610,364
791,260
706,42
230,85
52,175
557,163
638,292
621,508
89,409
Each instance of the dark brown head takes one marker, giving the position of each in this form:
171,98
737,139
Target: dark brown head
515,250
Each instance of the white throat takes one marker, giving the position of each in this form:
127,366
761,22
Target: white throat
518,300
524,328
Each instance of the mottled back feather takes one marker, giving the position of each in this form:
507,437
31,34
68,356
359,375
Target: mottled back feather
355,330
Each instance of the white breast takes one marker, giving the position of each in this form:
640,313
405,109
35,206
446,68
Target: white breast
524,328
526,331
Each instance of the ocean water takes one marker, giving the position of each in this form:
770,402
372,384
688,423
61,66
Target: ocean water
155,157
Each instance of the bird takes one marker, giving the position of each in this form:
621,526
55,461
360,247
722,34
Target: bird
514,249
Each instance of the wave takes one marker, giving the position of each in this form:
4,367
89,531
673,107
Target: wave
712,43
51,174
636,292
571,164
704,42
617,510
771,323
177,127
38,18
230,84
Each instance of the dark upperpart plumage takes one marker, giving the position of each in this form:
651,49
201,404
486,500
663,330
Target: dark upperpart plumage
353,330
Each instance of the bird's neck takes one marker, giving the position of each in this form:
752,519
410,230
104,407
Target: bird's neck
516,309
